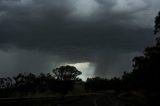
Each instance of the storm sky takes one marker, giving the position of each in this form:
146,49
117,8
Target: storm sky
99,37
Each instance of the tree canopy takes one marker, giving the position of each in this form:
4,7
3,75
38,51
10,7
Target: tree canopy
157,24
66,73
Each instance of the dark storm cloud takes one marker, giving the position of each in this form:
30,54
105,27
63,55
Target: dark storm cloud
105,32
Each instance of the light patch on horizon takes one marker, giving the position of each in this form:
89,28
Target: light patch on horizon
86,68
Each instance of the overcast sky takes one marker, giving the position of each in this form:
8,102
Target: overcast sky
99,37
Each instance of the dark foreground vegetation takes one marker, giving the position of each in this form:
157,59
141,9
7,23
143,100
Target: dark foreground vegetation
61,81
141,87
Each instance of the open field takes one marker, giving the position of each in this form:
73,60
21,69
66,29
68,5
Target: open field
99,99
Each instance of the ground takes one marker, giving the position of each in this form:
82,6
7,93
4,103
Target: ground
92,99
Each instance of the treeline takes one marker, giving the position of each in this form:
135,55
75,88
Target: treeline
102,84
61,80
138,80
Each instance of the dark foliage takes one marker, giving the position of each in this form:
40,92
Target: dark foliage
157,24
96,84
29,83
146,70
66,73
6,87
102,84
25,83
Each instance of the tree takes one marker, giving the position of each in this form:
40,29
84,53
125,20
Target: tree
5,87
96,84
65,76
25,83
146,68
157,24
66,73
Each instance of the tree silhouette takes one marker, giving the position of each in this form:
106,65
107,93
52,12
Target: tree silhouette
157,24
146,68
65,76
41,82
66,73
5,87
96,84
101,84
25,83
